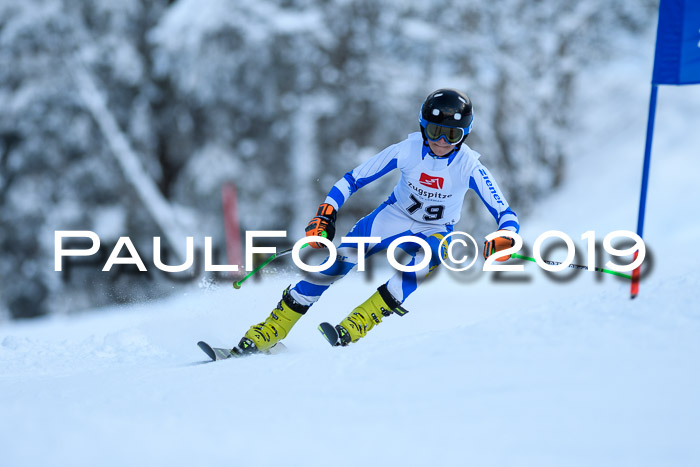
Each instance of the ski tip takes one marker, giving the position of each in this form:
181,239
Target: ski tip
329,332
206,348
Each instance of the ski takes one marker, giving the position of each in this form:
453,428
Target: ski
329,332
217,353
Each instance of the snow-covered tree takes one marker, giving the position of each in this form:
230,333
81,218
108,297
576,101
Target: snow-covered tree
282,97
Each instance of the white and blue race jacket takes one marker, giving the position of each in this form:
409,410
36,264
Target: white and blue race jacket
431,189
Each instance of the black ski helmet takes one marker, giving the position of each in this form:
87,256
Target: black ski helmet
447,108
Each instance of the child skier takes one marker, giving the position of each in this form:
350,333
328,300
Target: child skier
437,169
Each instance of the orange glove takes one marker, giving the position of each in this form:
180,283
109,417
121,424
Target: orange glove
498,244
323,222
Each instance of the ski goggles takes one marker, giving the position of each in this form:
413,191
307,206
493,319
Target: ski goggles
452,135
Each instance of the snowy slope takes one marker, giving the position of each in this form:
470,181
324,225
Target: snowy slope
479,373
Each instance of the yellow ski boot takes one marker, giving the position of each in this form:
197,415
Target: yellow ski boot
263,336
363,318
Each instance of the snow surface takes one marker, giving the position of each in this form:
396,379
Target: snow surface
479,373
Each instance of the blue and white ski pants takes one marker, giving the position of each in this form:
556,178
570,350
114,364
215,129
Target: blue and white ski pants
388,223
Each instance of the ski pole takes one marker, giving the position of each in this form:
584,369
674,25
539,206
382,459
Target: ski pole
573,266
237,284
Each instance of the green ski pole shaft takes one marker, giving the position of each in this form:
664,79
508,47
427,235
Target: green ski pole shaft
237,284
573,266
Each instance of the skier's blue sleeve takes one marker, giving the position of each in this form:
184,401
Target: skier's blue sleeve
483,183
367,172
